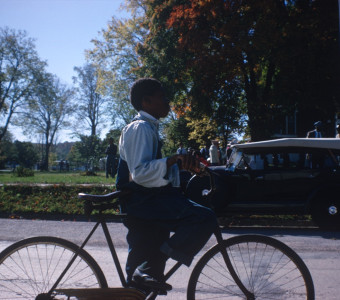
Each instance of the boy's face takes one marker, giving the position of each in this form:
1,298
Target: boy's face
156,105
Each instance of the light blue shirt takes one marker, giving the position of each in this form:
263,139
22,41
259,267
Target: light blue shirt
138,146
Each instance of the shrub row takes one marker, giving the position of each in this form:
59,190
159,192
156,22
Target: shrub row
51,199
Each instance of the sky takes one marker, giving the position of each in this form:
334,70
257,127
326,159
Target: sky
62,29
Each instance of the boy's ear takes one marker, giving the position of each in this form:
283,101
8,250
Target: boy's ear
145,101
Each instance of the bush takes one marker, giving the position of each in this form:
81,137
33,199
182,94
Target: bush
60,199
89,173
23,172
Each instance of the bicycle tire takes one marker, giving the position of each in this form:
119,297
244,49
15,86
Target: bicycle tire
268,268
31,266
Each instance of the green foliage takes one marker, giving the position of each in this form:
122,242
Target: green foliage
23,153
62,149
203,130
176,132
88,150
6,149
26,154
274,56
59,199
23,172
113,133
199,85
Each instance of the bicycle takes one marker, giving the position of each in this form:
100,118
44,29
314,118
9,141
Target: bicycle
241,267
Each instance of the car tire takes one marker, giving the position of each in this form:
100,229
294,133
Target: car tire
219,200
194,190
326,209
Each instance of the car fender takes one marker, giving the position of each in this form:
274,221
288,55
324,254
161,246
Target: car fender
324,189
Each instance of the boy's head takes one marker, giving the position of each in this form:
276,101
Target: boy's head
142,88
147,94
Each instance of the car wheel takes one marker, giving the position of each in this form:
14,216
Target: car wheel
195,187
326,210
198,187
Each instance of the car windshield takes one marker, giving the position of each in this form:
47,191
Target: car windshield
234,159
242,161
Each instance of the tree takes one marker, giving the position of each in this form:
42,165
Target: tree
117,61
74,157
196,96
90,149
113,133
176,132
19,64
46,111
26,154
91,104
6,149
214,43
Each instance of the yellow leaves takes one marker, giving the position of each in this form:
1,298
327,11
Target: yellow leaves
202,129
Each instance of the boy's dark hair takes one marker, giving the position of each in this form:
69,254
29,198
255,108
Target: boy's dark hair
141,88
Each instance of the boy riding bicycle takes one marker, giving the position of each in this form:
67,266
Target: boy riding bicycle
156,206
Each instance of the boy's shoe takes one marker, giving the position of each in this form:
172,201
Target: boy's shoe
143,279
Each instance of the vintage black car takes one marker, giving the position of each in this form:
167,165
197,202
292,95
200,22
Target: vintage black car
284,176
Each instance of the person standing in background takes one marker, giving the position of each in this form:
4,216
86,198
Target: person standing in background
205,151
181,150
316,133
111,152
214,153
337,131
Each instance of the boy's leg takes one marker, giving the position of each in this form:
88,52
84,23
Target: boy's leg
144,239
107,166
170,210
191,233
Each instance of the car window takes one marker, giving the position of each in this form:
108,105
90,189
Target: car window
286,159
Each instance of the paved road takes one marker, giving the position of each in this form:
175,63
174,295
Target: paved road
319,249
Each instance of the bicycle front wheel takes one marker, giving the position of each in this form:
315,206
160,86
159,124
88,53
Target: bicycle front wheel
30,268
267,268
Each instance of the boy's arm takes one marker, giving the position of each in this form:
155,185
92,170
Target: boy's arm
139,149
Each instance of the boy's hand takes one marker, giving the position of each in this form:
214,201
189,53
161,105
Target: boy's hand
185,162
190,163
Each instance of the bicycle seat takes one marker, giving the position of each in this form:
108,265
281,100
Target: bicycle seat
100,198
101,202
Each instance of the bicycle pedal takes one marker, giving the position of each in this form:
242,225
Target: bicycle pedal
161,292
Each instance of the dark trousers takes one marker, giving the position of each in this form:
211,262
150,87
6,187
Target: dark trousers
152,216
110,168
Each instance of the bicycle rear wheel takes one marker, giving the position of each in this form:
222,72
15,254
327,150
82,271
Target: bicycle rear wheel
268,268
31,267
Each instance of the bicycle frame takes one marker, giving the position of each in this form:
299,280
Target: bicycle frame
102,222
153,295
109,241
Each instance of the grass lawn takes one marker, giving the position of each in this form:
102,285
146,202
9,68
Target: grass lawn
57,177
